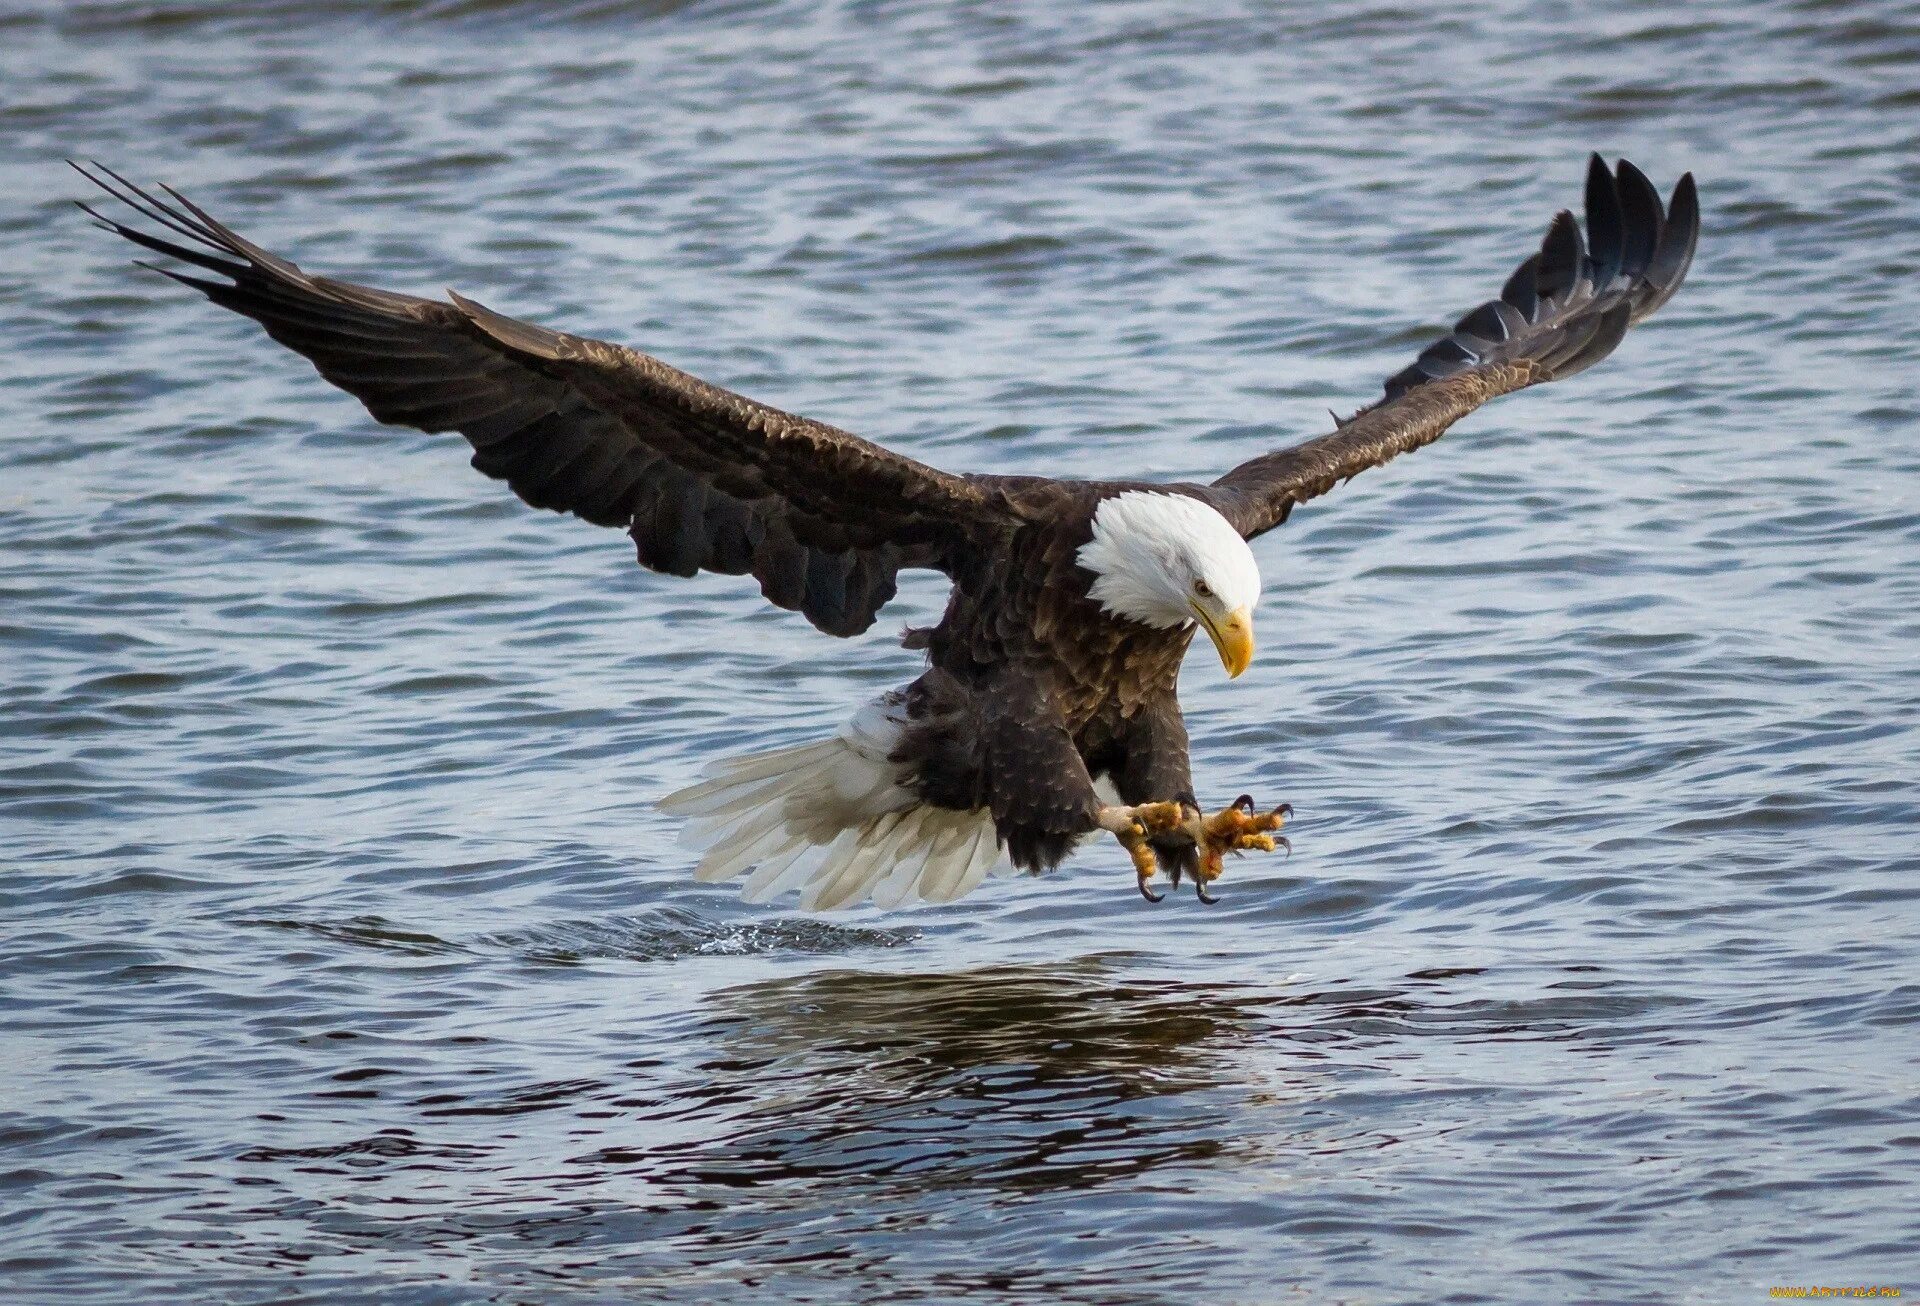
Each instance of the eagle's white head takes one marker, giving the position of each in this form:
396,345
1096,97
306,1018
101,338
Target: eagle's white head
1165,560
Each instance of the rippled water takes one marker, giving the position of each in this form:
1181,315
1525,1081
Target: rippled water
346,959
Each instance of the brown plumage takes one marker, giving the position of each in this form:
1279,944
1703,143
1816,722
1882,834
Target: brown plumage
1035,687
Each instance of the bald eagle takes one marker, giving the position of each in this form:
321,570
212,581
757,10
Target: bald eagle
1048,709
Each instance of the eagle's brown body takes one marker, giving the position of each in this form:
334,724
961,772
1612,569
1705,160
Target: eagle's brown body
1033,689
1034,692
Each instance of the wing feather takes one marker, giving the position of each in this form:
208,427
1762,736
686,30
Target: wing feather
1563,310
700,477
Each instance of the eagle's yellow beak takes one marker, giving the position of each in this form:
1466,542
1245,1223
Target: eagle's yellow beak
1232,635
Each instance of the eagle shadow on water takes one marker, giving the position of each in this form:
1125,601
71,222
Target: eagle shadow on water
1048,711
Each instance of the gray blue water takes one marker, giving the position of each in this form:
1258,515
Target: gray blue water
343,957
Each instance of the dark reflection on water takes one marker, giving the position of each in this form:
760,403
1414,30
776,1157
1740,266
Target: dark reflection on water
343,957
1018,1078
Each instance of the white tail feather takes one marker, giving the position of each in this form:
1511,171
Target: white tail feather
759,766
892,891
832,819
952,878
778,874
854,867
724,861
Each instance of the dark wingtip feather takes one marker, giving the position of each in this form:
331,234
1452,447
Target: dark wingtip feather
1642,218
1561,266
1520,290
1606,225
212,289
1674,254
105,224
210,236
218,233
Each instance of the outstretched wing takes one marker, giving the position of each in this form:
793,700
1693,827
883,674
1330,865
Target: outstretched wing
1562,311
702,478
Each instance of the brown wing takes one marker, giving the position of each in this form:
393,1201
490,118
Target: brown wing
702,478
1562,311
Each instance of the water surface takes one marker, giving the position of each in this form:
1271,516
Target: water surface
345,958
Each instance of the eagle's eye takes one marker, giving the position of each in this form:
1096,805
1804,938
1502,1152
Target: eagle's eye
1203,589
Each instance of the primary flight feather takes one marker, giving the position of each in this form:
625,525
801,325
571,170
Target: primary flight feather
1055,666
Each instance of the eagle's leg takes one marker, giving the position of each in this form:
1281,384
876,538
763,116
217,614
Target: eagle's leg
1236,828
1135,827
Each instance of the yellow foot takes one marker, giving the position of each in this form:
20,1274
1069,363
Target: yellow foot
1160,818
1145,864
1134,827
1237,829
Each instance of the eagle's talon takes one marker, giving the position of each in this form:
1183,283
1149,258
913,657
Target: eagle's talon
1236,828
1129,827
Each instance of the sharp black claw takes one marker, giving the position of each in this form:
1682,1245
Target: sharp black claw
1285,809
1200,892
1281,841
1150,895
1244,803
